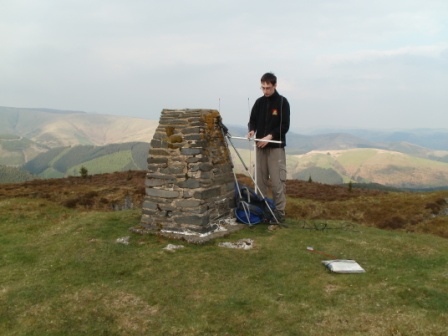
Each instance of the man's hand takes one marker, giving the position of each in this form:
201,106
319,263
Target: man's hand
262,144
250,134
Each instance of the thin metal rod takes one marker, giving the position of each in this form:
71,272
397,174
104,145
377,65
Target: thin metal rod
254,139
245,206
237,153
255,150
227,135
255,162
255,183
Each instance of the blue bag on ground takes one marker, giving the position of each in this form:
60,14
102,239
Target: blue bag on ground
251,208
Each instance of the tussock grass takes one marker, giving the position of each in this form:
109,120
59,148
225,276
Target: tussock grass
403,211
62,273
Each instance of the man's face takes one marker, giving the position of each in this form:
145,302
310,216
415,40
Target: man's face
268,89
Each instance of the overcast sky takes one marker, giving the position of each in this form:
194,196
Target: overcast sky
340,63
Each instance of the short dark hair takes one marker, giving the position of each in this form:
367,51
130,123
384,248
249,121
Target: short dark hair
269,77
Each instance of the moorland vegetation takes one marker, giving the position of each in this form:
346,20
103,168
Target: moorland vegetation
64,271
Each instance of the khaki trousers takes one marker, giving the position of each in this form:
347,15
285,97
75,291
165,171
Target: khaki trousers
271,174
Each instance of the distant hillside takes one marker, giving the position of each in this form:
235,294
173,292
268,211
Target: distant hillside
435,139
26,132
47,128
53,143
362,166
301,144
67,161
371,166
16,150
54,128
14,175
351,139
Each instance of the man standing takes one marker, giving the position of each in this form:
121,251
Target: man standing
269,120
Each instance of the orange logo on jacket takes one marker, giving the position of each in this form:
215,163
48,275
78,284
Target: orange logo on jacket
274,112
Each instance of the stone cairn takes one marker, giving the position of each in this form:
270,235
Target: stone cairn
190,183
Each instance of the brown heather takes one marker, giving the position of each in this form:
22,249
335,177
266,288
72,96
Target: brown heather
424,212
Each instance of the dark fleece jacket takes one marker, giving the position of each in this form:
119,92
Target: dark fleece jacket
270,115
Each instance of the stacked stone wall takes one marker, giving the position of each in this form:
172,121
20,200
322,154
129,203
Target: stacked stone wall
190,182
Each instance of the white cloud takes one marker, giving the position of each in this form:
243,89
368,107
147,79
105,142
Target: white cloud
336,60
430,52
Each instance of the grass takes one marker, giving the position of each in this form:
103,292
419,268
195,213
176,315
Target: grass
114,162
63,273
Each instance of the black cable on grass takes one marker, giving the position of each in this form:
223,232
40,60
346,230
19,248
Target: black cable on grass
325,225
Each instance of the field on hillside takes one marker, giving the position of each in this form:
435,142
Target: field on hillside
370,165
57,128
361,165
64,273
67,161
15,150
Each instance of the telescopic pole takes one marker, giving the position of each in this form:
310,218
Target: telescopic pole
255,139
226,134
229,137
255,151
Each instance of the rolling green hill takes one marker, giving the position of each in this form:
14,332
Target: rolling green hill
361,165
331,167
26,133
54,143
65,161
374,166
16,150
56,128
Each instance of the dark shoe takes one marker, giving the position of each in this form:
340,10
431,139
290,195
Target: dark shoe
280,215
